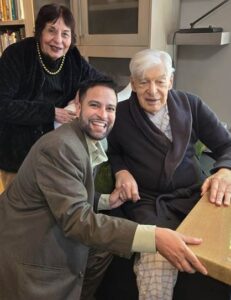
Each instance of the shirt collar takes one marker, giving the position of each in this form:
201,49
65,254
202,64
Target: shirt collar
159,113
96,152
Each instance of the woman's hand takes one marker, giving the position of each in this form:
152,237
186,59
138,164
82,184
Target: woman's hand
219,185
63,115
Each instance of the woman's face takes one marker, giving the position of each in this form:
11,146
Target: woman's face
55,39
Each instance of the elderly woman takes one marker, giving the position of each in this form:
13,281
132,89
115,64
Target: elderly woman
152,152
38,77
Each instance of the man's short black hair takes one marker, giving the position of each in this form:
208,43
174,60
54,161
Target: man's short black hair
90,83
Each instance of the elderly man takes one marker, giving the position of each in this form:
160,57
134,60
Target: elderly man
152,152
47,220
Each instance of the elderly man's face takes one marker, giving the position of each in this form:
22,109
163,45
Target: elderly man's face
152,89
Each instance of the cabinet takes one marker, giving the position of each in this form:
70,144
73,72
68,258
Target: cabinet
112,22
38,3
110,32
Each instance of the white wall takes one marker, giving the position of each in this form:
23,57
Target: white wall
206,70
164,19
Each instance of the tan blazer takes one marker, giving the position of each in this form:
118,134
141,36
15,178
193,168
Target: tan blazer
47,221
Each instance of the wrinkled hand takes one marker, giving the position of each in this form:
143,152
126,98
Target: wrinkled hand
130,189
173,246
219,185
115,200
63,115
74,105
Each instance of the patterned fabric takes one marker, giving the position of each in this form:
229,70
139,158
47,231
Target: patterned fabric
155,277
96,152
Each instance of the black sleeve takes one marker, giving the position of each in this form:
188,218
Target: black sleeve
14,107
212,133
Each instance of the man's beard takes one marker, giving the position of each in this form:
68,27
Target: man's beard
89,132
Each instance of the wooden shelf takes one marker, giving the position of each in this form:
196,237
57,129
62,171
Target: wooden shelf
12,22
27,22
210,38
113,6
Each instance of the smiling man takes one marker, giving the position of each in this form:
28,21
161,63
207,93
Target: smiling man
48,214
95,120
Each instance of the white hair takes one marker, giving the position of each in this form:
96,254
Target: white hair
147,59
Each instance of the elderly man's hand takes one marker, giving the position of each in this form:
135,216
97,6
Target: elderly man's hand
219,185
115,199
173,246
125,180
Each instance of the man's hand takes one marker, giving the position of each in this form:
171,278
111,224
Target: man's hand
125,180
64,116
173,246
219,185
115,200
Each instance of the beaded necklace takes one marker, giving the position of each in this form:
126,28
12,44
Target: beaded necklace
44,66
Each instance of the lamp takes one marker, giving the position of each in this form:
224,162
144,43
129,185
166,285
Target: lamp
203,29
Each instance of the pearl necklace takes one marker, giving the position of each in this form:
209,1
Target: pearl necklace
44,66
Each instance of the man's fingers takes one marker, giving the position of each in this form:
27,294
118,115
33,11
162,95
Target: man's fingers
195,263
71,113
219,186
205,186
123,196
130,192
135,194
191,240
227,199
126,191
217,191
187,267
188,262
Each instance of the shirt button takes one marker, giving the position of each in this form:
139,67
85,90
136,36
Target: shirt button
81,274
